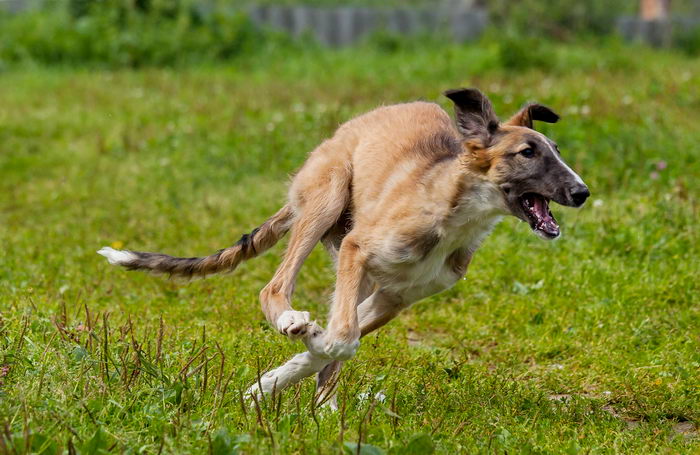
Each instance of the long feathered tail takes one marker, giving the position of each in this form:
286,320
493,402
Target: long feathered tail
249,246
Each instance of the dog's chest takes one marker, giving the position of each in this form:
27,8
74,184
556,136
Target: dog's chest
430,262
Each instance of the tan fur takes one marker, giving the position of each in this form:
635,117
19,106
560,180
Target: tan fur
401,197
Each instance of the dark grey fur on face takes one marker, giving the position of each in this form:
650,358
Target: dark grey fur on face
545,173
531,174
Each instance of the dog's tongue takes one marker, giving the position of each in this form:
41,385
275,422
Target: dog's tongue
545,221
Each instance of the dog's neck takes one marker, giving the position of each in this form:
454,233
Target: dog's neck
476,200
477,205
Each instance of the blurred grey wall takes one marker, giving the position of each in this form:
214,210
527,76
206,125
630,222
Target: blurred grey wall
343,25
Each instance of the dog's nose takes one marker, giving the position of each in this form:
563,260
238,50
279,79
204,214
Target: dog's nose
580,195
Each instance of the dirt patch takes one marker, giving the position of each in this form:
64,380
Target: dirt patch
413,338
629,422
687,429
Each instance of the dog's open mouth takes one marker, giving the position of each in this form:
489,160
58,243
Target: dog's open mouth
539,216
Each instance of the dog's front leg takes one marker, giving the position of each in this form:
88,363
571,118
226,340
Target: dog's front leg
343,334
374,312
339,342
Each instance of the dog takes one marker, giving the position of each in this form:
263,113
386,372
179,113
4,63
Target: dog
401,197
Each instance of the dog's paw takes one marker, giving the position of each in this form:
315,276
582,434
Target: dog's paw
294,324
260,388
315,340
341,350
253,394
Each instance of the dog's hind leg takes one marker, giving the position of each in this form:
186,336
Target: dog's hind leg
294,370
374,312
319,195
275,298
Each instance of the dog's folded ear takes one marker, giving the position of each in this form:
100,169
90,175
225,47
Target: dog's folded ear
476,119
530,113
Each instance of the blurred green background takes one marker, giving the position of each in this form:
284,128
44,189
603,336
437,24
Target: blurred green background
137,33
174,126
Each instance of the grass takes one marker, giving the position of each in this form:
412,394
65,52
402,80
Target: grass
584,345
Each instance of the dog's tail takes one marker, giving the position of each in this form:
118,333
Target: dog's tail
249,246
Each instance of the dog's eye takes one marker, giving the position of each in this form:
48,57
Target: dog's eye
527,153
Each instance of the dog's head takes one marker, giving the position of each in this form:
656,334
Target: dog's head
524,163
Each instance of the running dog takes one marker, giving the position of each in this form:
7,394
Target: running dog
401,197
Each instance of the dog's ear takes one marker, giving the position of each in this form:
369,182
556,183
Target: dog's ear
530,113
476,119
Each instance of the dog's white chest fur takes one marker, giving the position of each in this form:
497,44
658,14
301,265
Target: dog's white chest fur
418,270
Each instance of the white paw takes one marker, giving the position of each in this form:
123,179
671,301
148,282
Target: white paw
294,324
275,381
330,404
314,340
341,350
253,394
268,382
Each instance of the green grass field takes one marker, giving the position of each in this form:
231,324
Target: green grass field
589,344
